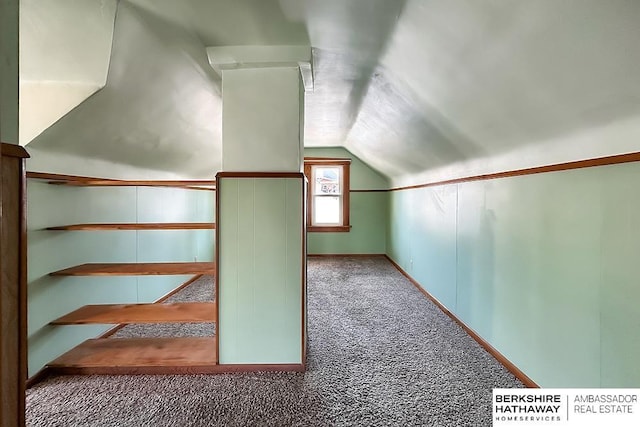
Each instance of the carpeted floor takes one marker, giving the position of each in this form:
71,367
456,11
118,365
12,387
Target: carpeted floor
380,354
200,290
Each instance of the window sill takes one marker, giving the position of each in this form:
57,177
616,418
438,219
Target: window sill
329,229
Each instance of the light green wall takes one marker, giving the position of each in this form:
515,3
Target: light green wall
363,177
48,251
426,212
261,270
9,79
368,211
541,266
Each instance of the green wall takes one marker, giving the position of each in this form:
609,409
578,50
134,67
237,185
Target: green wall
9,65
368,211
541,266
48,251
261,268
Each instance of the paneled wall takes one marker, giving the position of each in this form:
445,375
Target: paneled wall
262,268
54,205
541,266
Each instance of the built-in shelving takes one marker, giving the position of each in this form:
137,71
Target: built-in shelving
139,355
138,269
171,355
188,312
137,226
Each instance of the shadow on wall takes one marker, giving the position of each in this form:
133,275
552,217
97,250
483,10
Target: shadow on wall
160,92
476,269
397,132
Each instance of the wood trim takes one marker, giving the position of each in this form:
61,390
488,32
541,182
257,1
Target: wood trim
137,226
178,289
488,347
346,181
13,333
328,229
307,175
140,370
13,413
39,376
258,175
216,276
346,255
322,160
190,185
23,297
111,331
13,150
61,177
369,191
238,368
143,182
77,180
557,167
303,268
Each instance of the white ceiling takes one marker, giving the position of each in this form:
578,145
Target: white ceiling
64,58
409,86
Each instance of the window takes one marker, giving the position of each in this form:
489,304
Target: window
328,194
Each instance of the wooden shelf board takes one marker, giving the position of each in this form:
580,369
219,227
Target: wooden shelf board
197,184
139,226
130,182
138,269
139,355
190,312
59,179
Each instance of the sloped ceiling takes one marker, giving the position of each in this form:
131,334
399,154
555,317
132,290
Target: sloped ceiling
418,89
65,48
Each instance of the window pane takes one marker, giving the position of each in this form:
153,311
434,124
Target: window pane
327,180
326,210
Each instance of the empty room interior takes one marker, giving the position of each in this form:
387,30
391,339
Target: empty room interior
314,212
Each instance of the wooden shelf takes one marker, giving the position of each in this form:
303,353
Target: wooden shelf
86,181
139,355
208,183
138,269
190,312
139,226
190,185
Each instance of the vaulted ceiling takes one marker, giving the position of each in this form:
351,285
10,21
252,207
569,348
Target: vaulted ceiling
412,87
